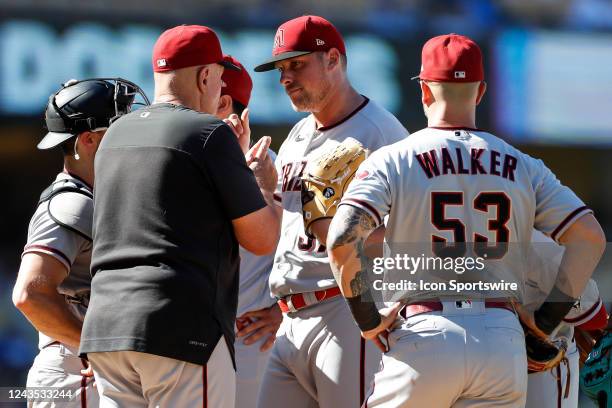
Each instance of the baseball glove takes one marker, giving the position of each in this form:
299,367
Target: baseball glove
596,374
326,178
542,355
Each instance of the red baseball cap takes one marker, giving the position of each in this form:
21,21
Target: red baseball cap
238,84
187,46
451,58
302,36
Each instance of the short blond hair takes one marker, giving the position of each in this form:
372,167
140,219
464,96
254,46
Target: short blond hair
454,92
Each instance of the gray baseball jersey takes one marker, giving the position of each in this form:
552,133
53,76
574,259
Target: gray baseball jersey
446,185
61,227
253,294
301,264
253,290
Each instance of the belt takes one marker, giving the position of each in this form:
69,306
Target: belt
293,303
417,308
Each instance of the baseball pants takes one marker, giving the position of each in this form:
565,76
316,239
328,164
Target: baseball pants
250,366
59,366
133,379
319,360
458,357
548,389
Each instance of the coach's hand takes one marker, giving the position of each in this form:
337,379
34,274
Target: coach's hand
88,372
380,334
260,162
256,324
241,128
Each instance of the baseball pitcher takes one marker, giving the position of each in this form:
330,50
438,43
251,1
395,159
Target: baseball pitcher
319,358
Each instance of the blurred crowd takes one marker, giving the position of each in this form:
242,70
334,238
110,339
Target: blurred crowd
389,17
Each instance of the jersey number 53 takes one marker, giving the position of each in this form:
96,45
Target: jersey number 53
483,247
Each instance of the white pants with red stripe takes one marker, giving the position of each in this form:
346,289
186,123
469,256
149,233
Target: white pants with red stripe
459,357
319,360
548,389
58,366
133,379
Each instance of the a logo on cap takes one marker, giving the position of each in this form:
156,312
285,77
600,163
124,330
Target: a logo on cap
161,62
320,42
279,38
459,74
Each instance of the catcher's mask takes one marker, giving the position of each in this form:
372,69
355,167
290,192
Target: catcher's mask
87,105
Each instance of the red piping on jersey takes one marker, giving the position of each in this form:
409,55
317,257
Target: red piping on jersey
367,206
277,197
350,115
567,220
597,322
205,386
455,128
585,314
361,370
53,250
78,178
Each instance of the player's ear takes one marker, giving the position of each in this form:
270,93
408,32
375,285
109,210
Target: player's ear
202,78
482,88
333,58
426,95
224,109
87,139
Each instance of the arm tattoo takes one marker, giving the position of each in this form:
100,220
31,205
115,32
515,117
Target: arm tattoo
359,284
350,224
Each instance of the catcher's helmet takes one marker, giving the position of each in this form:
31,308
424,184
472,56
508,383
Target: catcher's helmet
87,105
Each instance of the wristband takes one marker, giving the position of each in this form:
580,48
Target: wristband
364,311
553,310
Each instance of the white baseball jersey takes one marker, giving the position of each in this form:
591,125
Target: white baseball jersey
254,292
301,264
73,249
447,185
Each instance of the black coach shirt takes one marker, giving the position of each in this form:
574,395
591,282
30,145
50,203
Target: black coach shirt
168,182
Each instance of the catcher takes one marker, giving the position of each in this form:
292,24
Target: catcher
53,284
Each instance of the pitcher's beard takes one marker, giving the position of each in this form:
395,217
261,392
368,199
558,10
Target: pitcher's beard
310,101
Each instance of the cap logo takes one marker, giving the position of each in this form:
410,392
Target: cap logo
459,74
320,42
279,38
161,62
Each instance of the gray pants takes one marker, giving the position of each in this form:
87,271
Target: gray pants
250,367
133,379
319,360
58,366
459,357
543,389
